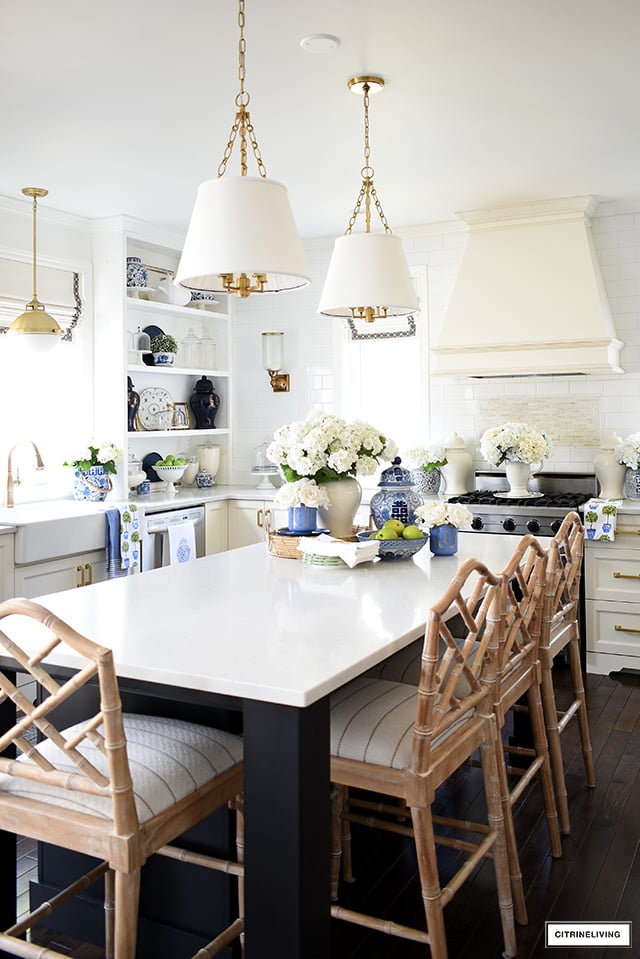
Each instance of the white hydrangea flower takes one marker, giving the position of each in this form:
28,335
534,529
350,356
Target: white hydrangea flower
515,442
628,452
429,456
304,492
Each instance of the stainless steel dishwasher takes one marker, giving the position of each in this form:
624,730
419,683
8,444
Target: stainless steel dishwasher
155,544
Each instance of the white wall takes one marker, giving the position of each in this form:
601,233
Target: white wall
576,411
46,396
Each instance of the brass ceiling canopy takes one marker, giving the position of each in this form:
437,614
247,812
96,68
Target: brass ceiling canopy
35,319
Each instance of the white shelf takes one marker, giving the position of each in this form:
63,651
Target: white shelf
190,312
146,434
176,370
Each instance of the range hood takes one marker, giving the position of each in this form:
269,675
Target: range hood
529,298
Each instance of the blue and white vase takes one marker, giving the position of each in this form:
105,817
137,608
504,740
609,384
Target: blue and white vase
302,519
632,484
397,498
426,482
443,540
91,485
136,272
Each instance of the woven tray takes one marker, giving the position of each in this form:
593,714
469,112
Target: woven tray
286,547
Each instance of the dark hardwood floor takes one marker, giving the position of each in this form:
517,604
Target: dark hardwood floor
598,877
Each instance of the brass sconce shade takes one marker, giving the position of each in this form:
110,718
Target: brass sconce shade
35,319
242,237
272,344
368,276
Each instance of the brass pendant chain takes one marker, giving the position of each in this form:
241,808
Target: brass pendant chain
242,122
367,190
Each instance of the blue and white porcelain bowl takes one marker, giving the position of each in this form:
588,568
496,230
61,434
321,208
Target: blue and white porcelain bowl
163,359
396,548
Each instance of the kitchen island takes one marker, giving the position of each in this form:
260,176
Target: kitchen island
274,638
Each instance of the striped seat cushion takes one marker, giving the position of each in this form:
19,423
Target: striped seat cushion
372,721
168,759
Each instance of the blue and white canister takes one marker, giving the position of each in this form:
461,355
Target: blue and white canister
136,272
91,485
443,540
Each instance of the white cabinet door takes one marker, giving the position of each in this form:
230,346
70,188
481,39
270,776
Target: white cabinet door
55,575
247,519
6,566
216,530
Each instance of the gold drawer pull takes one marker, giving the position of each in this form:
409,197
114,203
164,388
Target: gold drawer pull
80,570
617,575
625,629
628,532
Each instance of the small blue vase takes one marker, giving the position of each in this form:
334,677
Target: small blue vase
443,540
302,519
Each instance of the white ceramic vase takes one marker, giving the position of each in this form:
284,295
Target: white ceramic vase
458,468
344,499
609,472
518,478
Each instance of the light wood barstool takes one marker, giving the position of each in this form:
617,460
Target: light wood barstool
561,632
115,787
404,741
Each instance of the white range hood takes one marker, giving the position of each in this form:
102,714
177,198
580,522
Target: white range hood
529,298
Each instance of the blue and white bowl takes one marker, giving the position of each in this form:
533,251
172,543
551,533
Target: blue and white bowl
396,548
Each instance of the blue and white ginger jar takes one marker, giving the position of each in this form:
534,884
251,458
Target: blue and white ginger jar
397,498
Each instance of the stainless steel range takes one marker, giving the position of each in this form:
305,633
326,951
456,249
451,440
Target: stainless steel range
553,496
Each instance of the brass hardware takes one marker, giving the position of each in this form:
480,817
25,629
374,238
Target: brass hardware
625,629
89,568
618,575
628,532
80,570
367,189
243,286
279,381
259,518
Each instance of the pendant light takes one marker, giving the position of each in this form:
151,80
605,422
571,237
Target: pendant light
368,276
35,319
242,236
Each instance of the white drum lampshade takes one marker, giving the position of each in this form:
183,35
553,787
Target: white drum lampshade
242,225
368,270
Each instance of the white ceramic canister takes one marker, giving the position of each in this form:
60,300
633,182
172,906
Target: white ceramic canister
457,470
609,472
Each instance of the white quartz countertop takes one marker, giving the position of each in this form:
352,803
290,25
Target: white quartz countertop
47,510
247,624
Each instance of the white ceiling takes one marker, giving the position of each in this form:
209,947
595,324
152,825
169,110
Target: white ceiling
125,106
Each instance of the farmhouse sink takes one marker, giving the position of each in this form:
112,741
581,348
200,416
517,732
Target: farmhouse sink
55,528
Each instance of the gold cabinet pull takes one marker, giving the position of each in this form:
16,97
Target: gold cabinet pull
89,568
625,629
80,570
259,517
628,532
617,575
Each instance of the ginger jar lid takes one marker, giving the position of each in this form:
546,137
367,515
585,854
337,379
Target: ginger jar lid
395,476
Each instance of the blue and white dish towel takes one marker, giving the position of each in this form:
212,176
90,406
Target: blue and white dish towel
600,519
123,541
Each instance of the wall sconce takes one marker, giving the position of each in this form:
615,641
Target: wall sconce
272,361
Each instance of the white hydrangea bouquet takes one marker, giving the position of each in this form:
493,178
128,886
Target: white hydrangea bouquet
429,457
628,452
325,447
515,442
443,514
304,492
97,454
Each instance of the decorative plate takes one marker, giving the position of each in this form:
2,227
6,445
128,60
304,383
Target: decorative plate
148,463
202,304
152,331
154,399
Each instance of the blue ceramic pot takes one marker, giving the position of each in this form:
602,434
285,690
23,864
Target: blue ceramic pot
92,485
443,540
302,519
